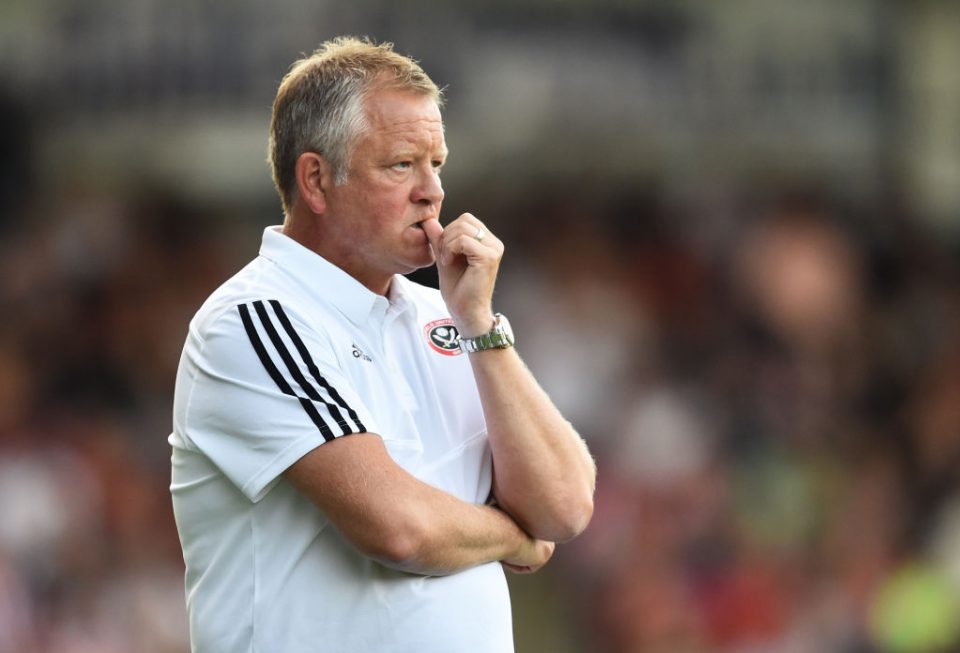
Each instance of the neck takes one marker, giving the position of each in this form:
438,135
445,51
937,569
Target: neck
307,232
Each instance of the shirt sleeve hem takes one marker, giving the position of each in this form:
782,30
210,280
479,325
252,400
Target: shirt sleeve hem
264,480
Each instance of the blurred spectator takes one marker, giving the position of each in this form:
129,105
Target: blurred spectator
776,422
772,386
96,298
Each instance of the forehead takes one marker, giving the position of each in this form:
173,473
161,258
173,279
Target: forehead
404,116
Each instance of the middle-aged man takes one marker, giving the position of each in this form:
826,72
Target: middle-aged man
356,458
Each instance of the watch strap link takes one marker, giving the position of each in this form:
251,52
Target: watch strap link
499,337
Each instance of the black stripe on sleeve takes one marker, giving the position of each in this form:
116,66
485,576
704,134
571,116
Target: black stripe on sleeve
277,376
298,343
294,369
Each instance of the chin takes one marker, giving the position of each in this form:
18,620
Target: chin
418,266
422,260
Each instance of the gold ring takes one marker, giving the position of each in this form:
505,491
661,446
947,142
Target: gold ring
480,234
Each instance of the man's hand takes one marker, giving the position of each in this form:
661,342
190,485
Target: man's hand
468,257
534,555
402,522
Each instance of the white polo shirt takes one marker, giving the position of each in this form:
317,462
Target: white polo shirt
288,354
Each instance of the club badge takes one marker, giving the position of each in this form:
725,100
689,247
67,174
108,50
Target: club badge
442,335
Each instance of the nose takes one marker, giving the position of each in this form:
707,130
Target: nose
428,189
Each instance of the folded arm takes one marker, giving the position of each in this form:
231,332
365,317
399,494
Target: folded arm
402,522
268,397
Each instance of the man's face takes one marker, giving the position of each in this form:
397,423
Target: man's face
393,185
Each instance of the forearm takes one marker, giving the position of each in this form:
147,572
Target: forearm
544,474
397,519
443,535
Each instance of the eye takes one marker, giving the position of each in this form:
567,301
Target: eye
437,164
401,165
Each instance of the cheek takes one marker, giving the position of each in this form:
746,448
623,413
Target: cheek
380,208
389,206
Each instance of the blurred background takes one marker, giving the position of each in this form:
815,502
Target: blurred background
732,234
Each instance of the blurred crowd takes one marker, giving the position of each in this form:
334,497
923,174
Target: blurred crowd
772,389
96,292
770,385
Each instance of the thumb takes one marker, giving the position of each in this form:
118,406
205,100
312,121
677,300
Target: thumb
434,231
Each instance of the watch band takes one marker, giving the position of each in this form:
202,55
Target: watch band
499,337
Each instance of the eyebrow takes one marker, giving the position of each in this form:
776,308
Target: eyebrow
412,152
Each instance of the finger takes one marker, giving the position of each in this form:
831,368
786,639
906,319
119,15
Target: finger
467,218
466,245
518,569
434,232
470,231
470,225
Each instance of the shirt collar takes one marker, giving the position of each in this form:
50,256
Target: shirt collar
325,282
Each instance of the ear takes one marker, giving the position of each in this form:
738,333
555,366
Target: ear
314,177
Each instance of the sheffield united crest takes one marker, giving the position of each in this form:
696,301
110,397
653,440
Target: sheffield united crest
442,335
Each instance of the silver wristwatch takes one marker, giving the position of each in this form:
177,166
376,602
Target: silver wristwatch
499,337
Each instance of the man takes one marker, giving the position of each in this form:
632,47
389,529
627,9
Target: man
356,457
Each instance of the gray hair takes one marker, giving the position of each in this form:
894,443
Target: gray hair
320,105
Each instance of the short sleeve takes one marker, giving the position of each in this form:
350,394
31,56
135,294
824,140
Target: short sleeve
267,389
